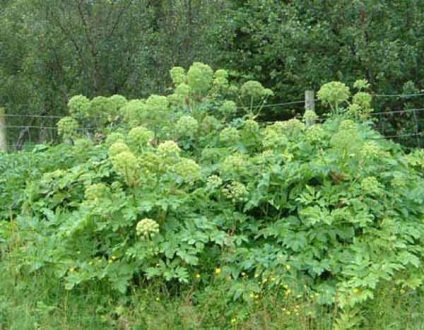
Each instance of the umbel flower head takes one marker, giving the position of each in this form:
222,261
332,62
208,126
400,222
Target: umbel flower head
168,149
147,228
187,170
125,163
236,191
199,78
186,126
79,106
117,147
96,192
67,127
139,137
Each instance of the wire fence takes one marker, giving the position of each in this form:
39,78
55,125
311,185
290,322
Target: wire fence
31,129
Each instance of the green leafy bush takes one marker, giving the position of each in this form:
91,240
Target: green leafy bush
330,209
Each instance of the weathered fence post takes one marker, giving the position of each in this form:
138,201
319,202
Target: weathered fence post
3,142
310,100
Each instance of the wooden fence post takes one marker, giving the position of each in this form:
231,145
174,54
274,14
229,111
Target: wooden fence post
3,142
310,100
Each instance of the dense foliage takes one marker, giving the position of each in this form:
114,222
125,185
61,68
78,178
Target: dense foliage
190,187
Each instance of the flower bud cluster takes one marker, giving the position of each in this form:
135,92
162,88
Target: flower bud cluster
79,106
67,127
139,137
310,117
147,228
168,149
234,164
371,186
96,192
186,126
187,170
251,126
236,191
114,137
273,138
117,147
290,128
228,108
213,182
178,75
229,135
255,90
125,162
199,78
315,134
370,150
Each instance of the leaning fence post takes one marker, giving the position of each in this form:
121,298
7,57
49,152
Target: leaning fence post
3,142
310,100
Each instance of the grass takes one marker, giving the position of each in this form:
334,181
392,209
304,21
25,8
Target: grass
41,302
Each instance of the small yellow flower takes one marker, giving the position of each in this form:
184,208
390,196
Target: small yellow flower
72,269
288,313
251,296
157,298
243,274
355,290
288,267
233,320
113,257
217,271
109,261
256,296
256,275
197,276
272,279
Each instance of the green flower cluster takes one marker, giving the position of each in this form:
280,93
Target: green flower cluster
251,126
133,112
221,79
363,100
334,94
187,170
186,126
96,192
370,150
236,191
315,134
147,228
348,125
79,106
228,108
139,138
199,78
209,124
236,164
178,75
125,163
291,128
310,117
229,135
117,147
213,182
114,137
371,186
254,90
168,149
67,128
273,137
